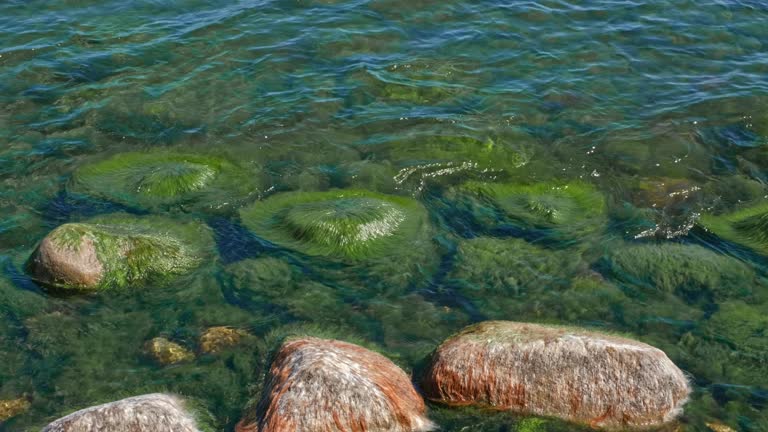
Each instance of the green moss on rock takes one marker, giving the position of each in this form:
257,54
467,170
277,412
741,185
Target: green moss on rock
689,271
119,251
161,178
347,224
748,227
512,152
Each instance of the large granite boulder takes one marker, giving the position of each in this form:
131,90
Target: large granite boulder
117,251
148,413
581,376
329,385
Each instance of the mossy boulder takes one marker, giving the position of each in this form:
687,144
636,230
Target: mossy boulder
163,178
583,376
166,352
346,224
13,407
732,345
118,251
747,227
692,272
489,153
155,412
566,211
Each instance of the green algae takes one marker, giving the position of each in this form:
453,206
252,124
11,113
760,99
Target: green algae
569,210
693,273
161,178
465,152
137,250
747,226
346,224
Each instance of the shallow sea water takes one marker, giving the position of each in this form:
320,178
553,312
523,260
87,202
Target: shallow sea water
661,106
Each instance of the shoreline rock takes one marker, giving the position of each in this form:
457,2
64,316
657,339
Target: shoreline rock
329,385
155,412
587,377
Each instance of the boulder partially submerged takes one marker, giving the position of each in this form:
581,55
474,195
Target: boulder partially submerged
328,385
155,412
118,251
581,376
163,178
747,227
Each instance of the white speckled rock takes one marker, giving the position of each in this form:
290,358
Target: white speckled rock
320,385
582,376
155,412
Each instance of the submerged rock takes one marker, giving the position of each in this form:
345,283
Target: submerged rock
570,210
581,376
691,272
748,227
349,224
217,339
117,251
329,385
166,352
12,408
148,413
164,178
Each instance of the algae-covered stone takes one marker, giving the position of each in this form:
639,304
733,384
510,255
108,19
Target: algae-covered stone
506,153
732,345
510,267
748,227
692,272
587,377
567,210
346,224
13,407
148,413
329,385
161,178
118,251
166,352
216,339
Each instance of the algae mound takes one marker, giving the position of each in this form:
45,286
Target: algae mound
160,178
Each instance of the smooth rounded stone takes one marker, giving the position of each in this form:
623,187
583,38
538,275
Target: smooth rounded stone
345,223
162,178
13,407
581,376
166,352
118,251
747,226
328,385
155,412
217,339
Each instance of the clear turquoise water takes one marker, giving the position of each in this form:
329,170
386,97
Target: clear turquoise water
662,106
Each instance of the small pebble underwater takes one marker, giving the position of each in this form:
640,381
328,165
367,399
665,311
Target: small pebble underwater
186,185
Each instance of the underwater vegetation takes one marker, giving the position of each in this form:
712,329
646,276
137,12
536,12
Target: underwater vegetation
695,274
118,251
747,226
163,178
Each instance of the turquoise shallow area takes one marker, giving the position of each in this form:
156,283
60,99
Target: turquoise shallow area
661,107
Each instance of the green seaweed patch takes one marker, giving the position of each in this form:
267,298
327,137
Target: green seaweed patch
747,227
160,178
572,209
461,152
346,224
135,250
692,272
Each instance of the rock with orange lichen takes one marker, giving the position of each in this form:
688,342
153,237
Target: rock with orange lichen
166,352
217,339
329,385
12,408
581,376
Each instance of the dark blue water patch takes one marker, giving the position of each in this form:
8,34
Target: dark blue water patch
65,207
235,243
